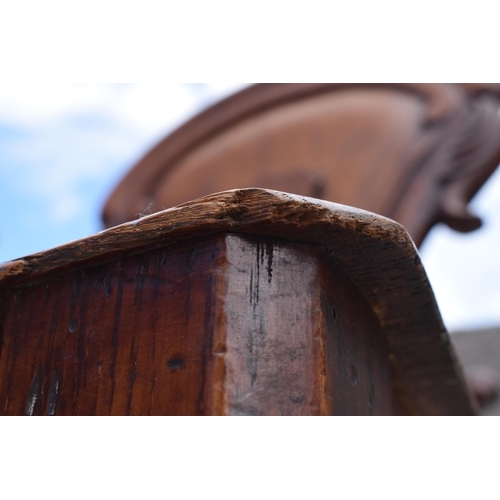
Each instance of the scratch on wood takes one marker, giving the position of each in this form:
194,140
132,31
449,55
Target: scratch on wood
52,399
12,268
33,395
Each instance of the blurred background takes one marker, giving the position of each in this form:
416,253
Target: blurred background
63,148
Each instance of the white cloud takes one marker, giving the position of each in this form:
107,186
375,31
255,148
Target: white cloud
66,208
146,107
75,134
32,105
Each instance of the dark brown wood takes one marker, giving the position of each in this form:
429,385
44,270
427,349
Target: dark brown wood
311,308
416,153
271,331
357,354
111,339
300,339
274,341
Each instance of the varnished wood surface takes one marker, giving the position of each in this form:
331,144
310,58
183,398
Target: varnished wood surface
112,339
300,340
274,336
416,153
231,325
357,362
375,254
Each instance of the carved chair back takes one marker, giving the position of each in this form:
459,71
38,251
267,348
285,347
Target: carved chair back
416,153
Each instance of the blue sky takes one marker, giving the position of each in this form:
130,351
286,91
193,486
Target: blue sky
64,147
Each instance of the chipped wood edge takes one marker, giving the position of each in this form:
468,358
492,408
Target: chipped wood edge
375,252
254,210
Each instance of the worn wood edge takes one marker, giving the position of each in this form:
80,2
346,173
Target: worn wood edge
427,374
253,210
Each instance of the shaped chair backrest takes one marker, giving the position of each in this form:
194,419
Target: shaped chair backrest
416,153
247,302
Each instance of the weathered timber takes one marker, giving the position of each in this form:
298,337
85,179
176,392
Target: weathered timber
243,302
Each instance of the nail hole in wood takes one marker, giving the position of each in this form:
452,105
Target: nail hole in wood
175,363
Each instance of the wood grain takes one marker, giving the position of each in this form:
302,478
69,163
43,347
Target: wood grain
300,340
234,325
375,254
273,331
357,364
111,339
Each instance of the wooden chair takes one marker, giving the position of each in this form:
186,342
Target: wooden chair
248,302
253,301
416,153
